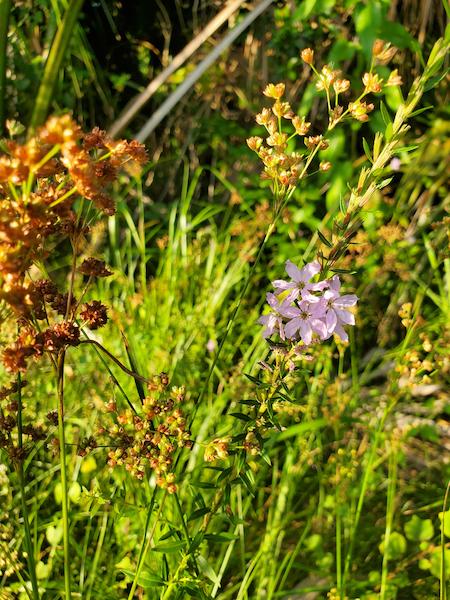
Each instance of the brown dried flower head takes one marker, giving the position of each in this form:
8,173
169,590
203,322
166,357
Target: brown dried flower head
93,267
95,314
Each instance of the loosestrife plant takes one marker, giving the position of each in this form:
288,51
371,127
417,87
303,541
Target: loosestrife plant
302,310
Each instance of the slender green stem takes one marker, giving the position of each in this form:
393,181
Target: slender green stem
143,553
363,491
5,9
443,575
54,61
185,529
26,522
392,483
235,313
62,462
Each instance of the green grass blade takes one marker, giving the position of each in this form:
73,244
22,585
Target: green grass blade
55,58
5,9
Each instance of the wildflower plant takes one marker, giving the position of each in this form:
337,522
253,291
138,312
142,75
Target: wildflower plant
52,187
303,309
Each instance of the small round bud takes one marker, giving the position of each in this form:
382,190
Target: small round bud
307,56
254,143
325,165
377,47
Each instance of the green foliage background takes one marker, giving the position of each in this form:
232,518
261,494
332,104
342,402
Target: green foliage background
181,245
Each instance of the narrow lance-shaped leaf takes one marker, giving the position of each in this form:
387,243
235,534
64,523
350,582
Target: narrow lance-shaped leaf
53,64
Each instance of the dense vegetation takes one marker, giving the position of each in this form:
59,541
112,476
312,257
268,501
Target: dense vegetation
172,424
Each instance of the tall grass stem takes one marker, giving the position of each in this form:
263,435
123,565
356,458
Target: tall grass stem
62,462
5,9
26,521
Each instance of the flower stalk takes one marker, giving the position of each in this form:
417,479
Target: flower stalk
63,472
20,473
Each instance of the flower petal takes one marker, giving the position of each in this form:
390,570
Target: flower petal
310,270
291,328
345,316
346,300
272,300
331,320
319,327
306,295
281,328
305,332
340,332
281,285
288,311
293,271
335,283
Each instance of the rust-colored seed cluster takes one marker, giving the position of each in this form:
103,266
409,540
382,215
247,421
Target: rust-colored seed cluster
95,314
150,438
8,424
40,183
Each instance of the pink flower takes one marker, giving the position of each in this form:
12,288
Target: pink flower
336,313
304,318
300,282
274,320
308,309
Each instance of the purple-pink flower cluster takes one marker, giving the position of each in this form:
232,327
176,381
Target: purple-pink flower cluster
302,309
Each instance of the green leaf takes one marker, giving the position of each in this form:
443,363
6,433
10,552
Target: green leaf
207,569
139,386
43,570
224,474
206,485
342,271
435,563
397,35
75,492
420,111
253,379
266,458
169,548
54,534
445,522
220,538
324,239
385,114
384,183
300,428
197,514
396,548
241,416
195,543
389,132
145,579
419,530
168,535
367,151
55,57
